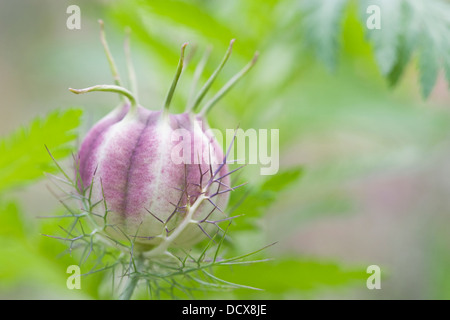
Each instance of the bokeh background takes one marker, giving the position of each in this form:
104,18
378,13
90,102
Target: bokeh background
372,142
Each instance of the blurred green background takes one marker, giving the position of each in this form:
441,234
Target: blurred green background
364,114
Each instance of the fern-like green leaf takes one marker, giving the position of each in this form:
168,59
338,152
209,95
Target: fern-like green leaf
294,275
408,27
24,157
256,200
385,40
433,18
322,24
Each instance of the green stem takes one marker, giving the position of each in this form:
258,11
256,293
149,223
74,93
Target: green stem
211,79
133,279
130,67
111,62
109,88
175,80
129,289
197,74
228,86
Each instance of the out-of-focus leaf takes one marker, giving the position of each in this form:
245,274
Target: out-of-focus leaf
322,25
292,274
19,260
281,180
439,262
30,259
403,56
189,15
433,18
408,27
255,201
428,67
11,220
385,40
406,41
24,157
20,263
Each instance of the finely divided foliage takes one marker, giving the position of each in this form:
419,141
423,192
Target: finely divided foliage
23,155
409,29
324,36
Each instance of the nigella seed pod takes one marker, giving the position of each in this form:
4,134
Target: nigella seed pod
132,168
93,141
129,165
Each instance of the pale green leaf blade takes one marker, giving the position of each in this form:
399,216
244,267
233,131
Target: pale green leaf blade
428,68
252,203
293,274
24,156
385,40
322,25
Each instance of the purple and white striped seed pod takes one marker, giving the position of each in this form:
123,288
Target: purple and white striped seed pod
129,163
